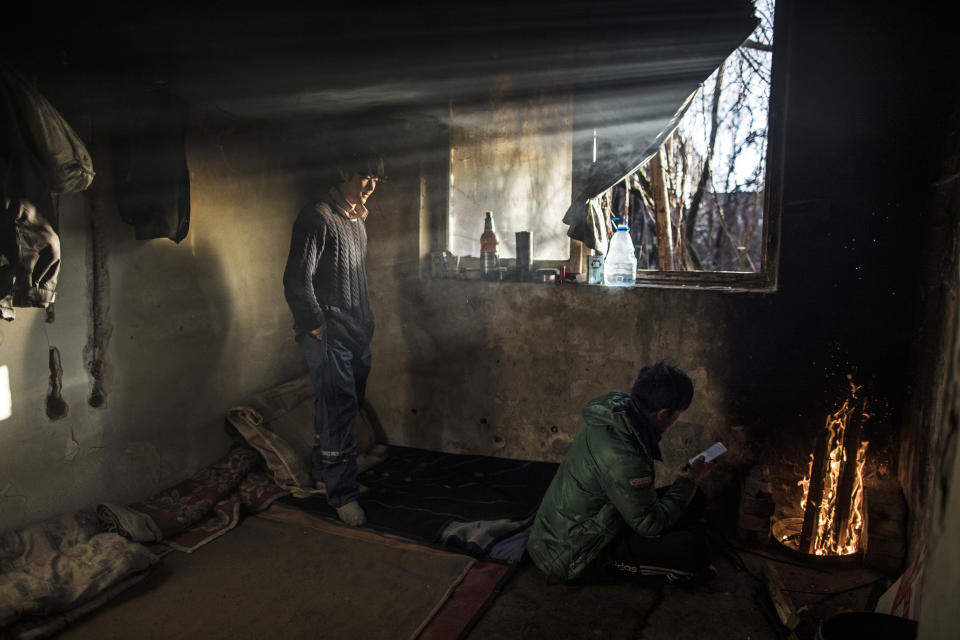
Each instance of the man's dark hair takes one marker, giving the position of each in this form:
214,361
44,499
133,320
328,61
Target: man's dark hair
363,161
662,386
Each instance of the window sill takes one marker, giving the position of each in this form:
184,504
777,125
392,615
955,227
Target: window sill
722,282
445,266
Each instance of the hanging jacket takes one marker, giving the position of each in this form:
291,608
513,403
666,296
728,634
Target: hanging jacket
40,155
34,275
605,483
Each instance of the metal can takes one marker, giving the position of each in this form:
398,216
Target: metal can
524,261
594,269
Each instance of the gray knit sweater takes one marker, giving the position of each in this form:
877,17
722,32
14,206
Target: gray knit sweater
325,280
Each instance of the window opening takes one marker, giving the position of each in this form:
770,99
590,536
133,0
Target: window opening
699,203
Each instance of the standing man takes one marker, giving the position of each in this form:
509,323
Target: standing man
325,284
602,517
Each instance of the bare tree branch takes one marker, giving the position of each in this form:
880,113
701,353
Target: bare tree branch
705,174
759,46
742,256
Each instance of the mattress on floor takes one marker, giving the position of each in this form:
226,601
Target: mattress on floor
480,505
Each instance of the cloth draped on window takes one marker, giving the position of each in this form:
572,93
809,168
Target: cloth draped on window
627,113
40,155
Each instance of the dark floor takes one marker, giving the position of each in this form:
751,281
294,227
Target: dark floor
529,608
267,579
733,605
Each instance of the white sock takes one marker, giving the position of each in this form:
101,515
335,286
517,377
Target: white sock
352,514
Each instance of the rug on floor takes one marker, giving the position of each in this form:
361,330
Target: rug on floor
479,505
287,576
465,602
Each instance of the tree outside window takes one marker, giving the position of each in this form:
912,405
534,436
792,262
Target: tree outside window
699,203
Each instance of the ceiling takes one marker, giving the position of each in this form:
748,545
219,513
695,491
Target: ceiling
291,61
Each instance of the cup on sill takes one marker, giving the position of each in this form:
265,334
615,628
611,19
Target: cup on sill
444,264
547,275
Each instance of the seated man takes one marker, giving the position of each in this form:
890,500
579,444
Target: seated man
602,516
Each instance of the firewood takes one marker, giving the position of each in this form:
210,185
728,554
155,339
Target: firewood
782,602
848,472
814,494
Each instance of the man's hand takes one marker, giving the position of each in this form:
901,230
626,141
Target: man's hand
319,331
700,469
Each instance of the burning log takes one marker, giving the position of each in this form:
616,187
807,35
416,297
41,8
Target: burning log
846,486
811,511
833,492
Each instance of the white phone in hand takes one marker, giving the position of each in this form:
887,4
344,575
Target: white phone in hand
711,453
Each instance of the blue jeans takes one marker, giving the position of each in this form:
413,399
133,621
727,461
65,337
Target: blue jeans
339,379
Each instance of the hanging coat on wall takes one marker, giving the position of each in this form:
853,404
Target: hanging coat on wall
40,155
151,178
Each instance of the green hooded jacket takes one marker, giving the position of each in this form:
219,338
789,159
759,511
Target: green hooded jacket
605,483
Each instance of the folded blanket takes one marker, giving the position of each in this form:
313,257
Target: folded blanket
61,565
194,512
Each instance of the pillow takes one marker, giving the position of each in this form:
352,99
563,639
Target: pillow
288,468
51,570
278,423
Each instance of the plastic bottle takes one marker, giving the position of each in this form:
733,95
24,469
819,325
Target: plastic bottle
489,248
595,269
620,265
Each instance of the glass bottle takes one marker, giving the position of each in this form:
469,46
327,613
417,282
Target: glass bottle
489,248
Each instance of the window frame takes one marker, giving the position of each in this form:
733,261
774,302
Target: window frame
764,280
435,207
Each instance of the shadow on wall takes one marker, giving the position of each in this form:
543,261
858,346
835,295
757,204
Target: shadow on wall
406,345
173,357
171,309
165,328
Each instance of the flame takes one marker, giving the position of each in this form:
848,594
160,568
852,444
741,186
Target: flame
826,540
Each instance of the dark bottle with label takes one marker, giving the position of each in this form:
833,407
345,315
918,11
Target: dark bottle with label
489,249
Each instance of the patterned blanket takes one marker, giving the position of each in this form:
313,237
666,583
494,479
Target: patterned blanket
54,571
190,514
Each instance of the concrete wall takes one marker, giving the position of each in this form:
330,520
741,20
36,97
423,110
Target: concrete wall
195,328
930,472
505,368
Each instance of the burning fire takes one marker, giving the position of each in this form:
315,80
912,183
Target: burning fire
829,536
